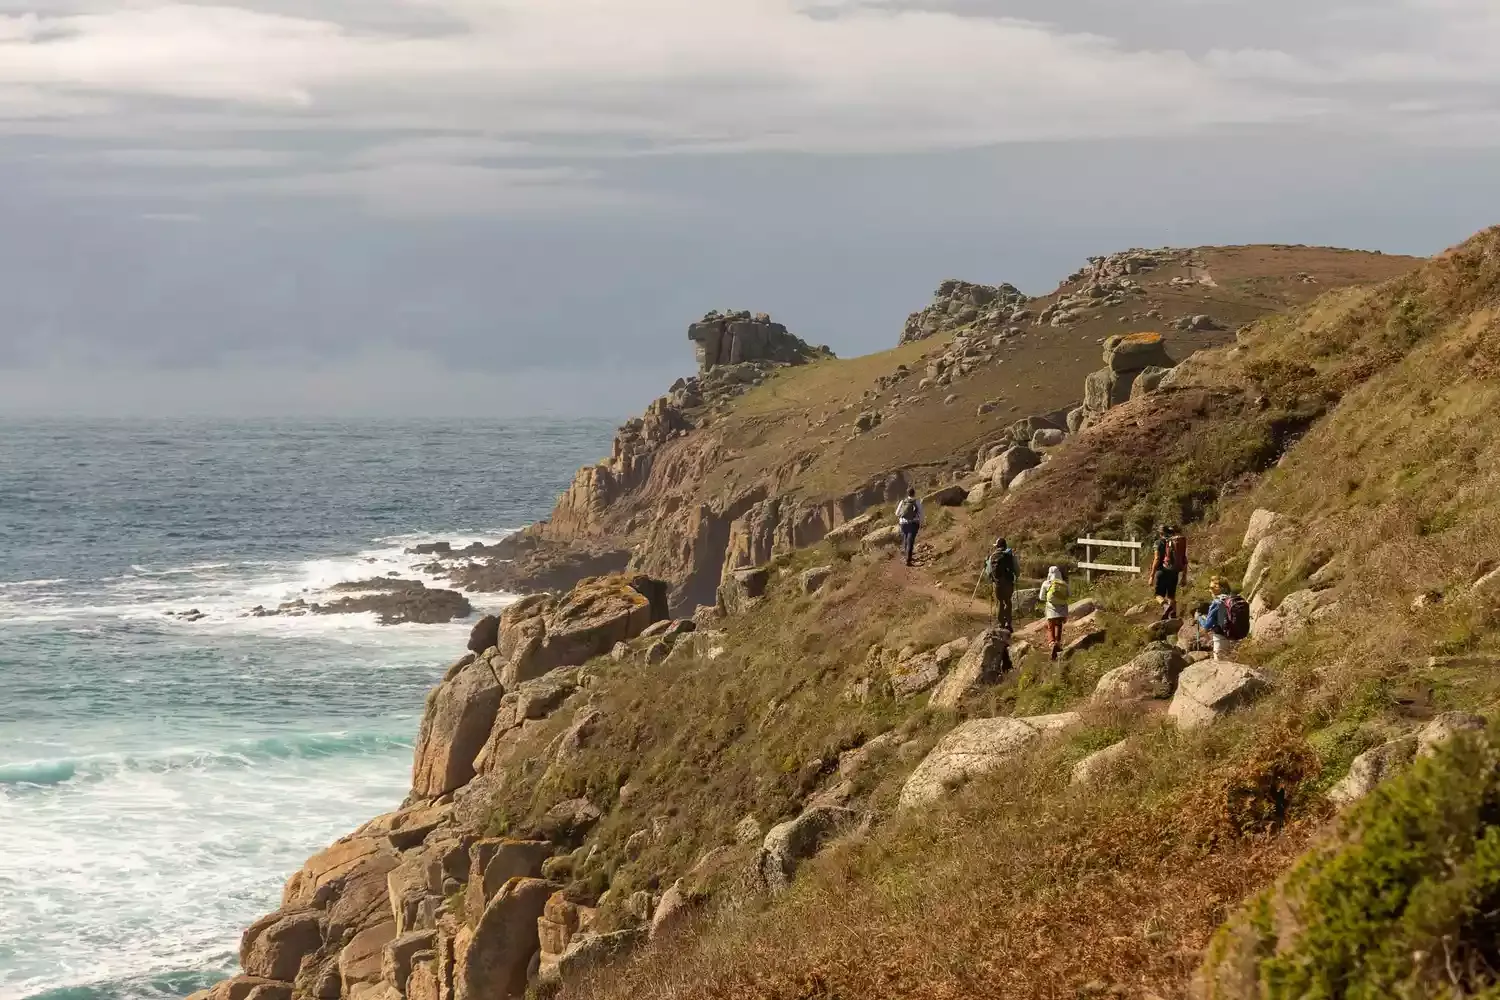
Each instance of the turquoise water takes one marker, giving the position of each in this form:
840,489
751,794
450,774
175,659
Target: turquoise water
160,778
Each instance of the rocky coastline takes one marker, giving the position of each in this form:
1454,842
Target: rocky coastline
648,559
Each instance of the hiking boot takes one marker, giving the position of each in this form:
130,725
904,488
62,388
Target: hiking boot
1055,651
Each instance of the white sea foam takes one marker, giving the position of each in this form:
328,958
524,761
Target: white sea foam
160,867
122,863
225,593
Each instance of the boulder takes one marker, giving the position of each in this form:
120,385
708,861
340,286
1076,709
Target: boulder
1151,675
494,862
492,962
415,889
1260,563
1296,612
359,960
567,821
972,749
1444,727
790,843
747,830
855,527
658,595
948,496
1013,463
1263,523
980,663
1023,478
407,828
588,951
485,633
246,988
1082,608
1023,603
536,639
1105,389
1372,767
812,580
455,727
273,947
1134,352
1210,690
674,907
1077,419
346,881
561,921
1148,381
319,977
921,671
977,493
882,538
742,588
1047,438
422,982
1098,762
397,958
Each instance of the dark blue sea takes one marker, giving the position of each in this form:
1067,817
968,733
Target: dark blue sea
160,778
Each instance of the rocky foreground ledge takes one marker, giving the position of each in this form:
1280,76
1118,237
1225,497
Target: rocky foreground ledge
418,903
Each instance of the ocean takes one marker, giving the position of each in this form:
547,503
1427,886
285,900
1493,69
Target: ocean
161,777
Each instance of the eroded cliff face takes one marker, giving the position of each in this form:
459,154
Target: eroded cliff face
645,509
419,904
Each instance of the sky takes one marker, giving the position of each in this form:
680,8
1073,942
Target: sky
514,207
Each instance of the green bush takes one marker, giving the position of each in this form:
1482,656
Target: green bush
1405,904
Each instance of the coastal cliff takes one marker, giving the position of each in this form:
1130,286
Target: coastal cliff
737,750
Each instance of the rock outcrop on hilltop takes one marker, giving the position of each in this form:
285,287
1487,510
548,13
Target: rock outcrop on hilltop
735,338
985,310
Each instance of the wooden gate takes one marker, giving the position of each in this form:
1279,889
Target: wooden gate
1132,550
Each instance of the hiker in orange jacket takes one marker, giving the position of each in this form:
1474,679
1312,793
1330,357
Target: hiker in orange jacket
1169,569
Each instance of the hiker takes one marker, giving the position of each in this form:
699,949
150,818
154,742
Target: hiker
1054,595
909,516
1001,568
1227,619
1169,569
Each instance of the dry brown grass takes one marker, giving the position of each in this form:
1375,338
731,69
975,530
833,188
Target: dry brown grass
1016,888
1019,886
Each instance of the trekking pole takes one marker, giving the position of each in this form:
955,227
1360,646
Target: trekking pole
977,583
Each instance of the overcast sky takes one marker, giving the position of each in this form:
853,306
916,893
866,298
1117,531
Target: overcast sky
517,206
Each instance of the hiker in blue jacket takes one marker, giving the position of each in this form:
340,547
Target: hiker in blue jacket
1227,619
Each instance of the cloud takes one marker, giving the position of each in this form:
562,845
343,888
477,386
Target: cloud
489,96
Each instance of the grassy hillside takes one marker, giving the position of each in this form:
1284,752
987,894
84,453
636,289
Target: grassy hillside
804,417
1367,419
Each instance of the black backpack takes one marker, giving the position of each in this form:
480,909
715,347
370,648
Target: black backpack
1236,618
1000,567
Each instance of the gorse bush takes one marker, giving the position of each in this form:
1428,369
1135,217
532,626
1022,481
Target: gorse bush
1405,903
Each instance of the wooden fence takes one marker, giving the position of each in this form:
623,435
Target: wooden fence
1090,567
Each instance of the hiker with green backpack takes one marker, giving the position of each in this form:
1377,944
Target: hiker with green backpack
1002,569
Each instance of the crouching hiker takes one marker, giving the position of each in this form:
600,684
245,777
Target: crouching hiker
909,517
1227,619
1054,595
1002,569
